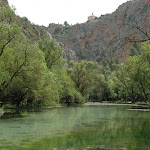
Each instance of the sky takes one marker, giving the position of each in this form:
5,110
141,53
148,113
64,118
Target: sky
43,12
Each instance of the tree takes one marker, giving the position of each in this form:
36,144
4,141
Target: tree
85,75
30,73
8,33
52,51
22,67
132,79
66,23
56,64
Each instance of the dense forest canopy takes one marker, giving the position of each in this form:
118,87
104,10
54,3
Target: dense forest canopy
33,72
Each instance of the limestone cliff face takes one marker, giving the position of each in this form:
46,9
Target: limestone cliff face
107,35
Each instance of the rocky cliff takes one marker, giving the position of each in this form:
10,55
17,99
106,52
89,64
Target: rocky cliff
109,35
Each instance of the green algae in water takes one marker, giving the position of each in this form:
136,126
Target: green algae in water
80,127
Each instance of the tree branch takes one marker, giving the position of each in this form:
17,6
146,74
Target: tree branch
2,50
16,73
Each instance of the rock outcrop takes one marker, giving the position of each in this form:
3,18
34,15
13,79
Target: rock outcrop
108,35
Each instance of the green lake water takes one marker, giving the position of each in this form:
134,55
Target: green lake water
75,127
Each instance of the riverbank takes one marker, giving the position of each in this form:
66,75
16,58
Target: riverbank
135,107
102,147
108,104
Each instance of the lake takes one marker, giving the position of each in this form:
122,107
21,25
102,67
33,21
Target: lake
75,128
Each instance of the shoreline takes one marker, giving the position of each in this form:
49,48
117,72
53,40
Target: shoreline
108,104
146,108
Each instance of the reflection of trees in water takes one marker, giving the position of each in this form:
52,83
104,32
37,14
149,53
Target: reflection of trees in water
18,113
112,126
1,112
123,129
131,132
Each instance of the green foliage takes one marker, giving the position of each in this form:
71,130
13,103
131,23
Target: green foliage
66,91
135,50
52,51
66,23
129,81
132,78
22,66
33,72
7,15
86,75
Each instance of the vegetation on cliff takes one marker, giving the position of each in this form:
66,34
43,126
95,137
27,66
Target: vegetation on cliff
33,72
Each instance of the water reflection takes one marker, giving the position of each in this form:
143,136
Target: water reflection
113,126
1,112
